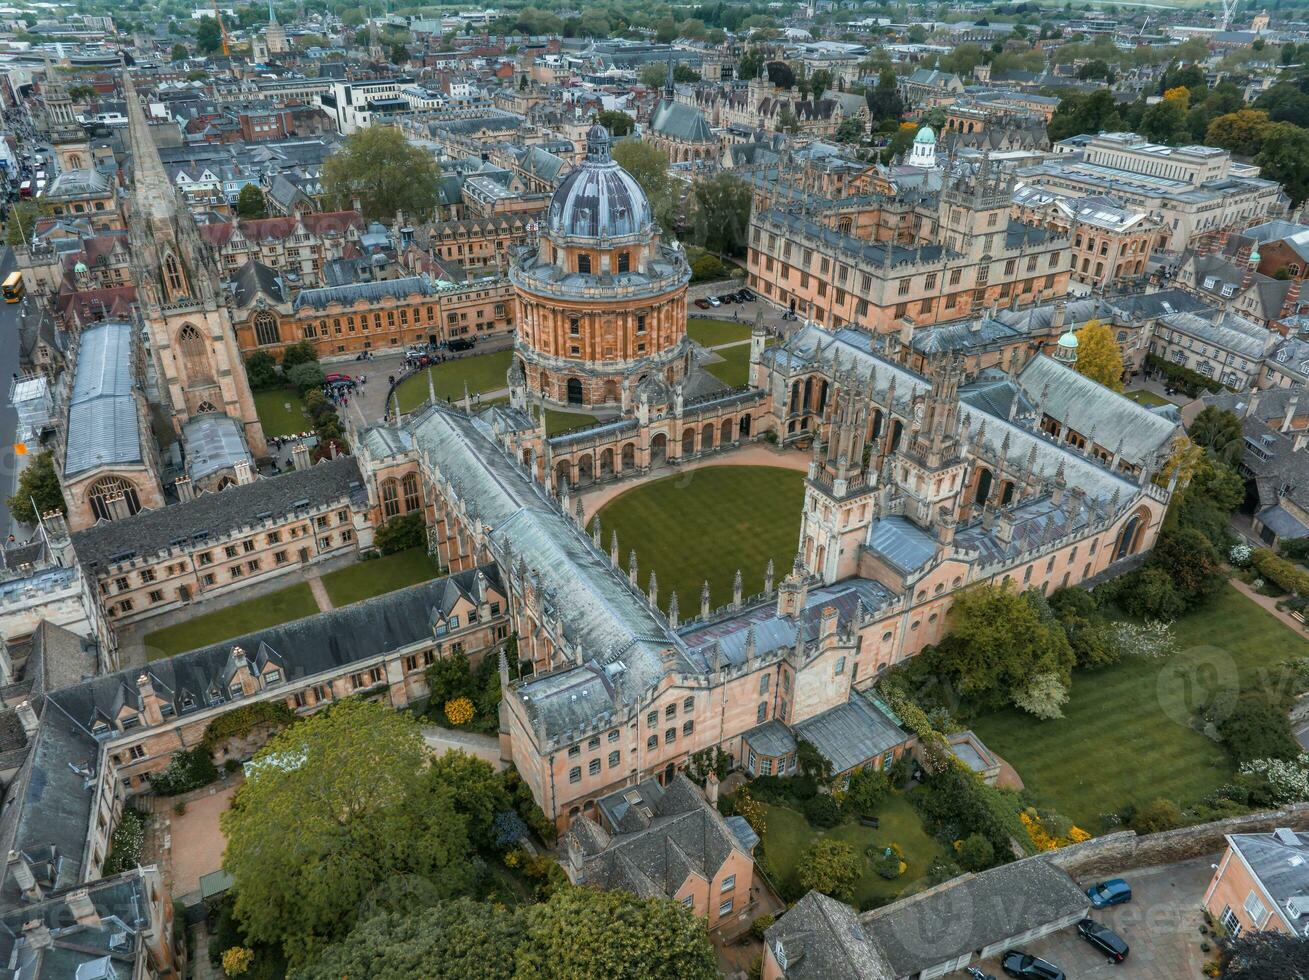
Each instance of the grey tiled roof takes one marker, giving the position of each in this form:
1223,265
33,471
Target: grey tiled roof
102,420
851,734
370,292
902,543
213,442
1280,861
213,514
820,938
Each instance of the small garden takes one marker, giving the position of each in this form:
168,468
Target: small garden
480,373
290,399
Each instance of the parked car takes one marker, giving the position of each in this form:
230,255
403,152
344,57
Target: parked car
745,296
1025,966
702,304
1104,939
713,301
1115,891
727,297
460,343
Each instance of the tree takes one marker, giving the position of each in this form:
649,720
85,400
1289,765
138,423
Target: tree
1219,431
653,74
400,534
399,54
208,36
666,30
477,789
787,121
1259,955
649,165
22,219
750,63
451,940
685,73
306,377
261,371
1257,727
1284,157
868,789
301,352
1093,113
38,482
1043,696
179,53
819,81
830,866
780,74
884,99
1191,561
1098,356
449,677
250,202
383,172
618,123
721,215
1241,132
1151,595
580,932
811,762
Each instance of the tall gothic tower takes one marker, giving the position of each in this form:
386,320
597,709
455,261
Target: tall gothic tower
72,148
196,358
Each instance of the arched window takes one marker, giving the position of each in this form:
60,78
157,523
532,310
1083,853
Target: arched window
266,329
106,491
195,354
410,487
390,498
174,281
226,482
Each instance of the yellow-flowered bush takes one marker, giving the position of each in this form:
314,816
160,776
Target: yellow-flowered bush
459,711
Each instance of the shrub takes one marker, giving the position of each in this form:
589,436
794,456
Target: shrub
236,961
303,352
976,853
261,370
240,722
1297,549
459,711
1156,816
942,869
868,789
1280,572
231,766
831,867
401,534
306,377
889,866
1150,594
823,811
179,808
760,925
126,843
1258,728
188,770
707,267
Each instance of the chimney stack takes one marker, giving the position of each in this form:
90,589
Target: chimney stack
83,909
27,717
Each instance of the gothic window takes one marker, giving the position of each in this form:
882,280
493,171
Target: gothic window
107,489
195,354
410,486
174,281
204,407
390,498
266,328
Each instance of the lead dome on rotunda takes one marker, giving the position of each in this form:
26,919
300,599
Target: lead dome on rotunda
598,199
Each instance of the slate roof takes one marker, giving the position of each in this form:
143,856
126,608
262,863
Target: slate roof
1230,332
901,543
681,122
851,734
367,292
103,427
213,442
1280,862
820,938
211,515
972,912
254,279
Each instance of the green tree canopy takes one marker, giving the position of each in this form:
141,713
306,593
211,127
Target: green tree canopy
721,215
1284,157
830,866
338,815
1218,431
384,172
179,53
250,202
1241,132
22,219
649,165
618,123
38,482
208,36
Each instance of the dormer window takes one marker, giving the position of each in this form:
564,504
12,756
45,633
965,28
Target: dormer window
128,722
235,690
272,677
188,702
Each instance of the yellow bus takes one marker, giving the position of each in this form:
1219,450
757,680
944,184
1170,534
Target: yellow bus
13,287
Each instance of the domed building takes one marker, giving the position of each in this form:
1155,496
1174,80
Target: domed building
923,153
601,299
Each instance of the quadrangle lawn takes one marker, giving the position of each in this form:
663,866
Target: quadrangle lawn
734,368
787,834
366,579
1147,398
710,332
482,372
282,606
705,524
1124,736
281,412
557,421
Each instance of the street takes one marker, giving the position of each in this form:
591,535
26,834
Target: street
8,417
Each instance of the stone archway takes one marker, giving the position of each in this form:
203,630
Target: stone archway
606,464
725,432
983,491
658,448
585,469
707,437
744,426
688,441
574,391
629,456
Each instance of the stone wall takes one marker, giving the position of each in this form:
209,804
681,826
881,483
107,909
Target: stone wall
1126,850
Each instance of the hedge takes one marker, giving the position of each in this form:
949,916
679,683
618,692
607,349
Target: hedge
1280,572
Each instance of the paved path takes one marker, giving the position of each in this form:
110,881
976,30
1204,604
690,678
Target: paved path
442,740
755,454
320,593
1268,603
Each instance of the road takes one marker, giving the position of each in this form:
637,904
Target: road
8,417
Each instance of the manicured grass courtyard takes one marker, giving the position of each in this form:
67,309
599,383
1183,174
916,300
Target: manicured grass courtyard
705,524
1124,736
281,412
365,579
1147,398
787,834
734,368
711,333
282,606
557,421
483,372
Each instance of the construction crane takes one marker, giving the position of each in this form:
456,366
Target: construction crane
1229,11
222,29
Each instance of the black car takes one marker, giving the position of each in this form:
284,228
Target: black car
1104,939
1025,966
727,298
745,296
458,344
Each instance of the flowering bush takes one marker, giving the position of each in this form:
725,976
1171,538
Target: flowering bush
126,843
1288,779
459,711
1151,639
237,960
1240,555
753,811
1043,839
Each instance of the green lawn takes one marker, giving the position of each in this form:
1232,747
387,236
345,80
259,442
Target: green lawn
281,412
365,579
282,606
706,523
734,368
711,333
1147,398
485,372
1124,737
787,835
557,421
